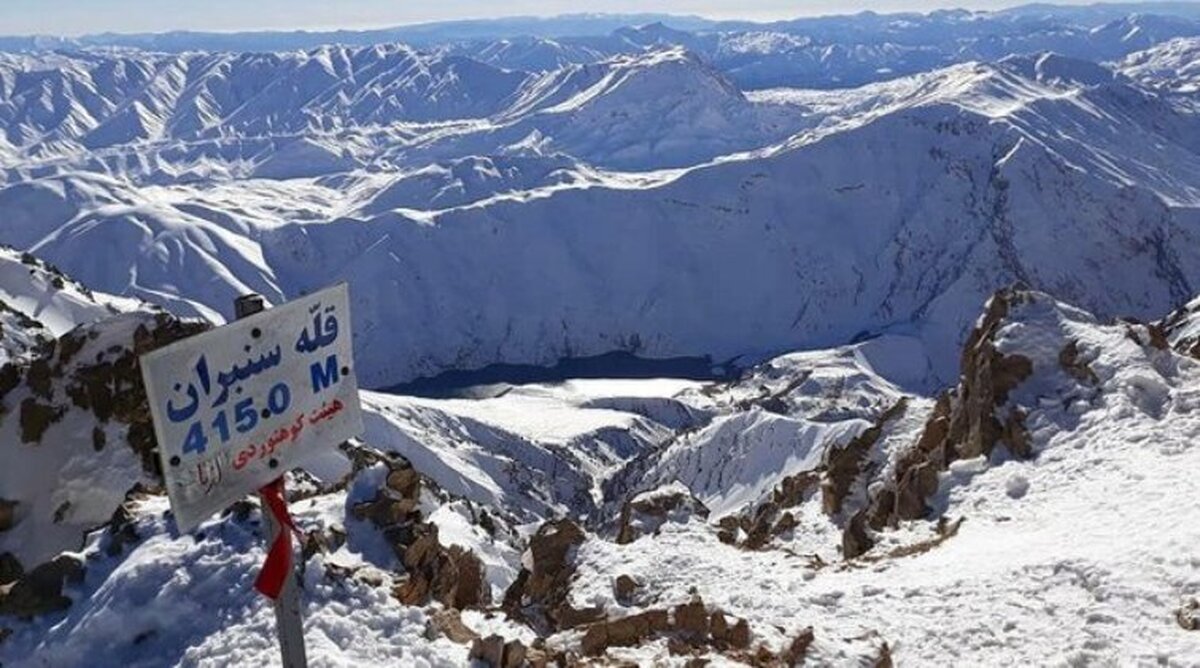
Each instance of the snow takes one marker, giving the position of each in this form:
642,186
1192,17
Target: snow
190,600
825,204
1076,557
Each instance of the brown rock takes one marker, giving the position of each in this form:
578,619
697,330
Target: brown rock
405,482
843,465
739,635
565,616
489,650
624,632
884,660
99,439
40,590
786,523
448,623
36,418
452,576
595,640
1016,436
719,628
8,514
630,631
645,516
1068,359
539,594
798,648
794,489
405,510
624,589
10,568
514,654
1188,616
855,538
917,484
1158,337
691,620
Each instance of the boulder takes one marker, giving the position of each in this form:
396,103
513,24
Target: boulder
624,589
1188,615
798,648
489,650
691,620
40,590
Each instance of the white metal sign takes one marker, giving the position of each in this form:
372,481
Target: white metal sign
237,406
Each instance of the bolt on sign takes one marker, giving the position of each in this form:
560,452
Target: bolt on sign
236,407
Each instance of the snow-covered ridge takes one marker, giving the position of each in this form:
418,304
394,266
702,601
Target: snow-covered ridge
1173,66
918,197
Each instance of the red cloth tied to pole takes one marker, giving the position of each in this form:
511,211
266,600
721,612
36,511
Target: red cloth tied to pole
278,565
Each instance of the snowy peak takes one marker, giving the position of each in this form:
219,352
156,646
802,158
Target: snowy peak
1053,68
101,101
624,80
1172,66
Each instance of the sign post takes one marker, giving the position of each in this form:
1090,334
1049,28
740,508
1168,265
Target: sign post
237,407
289,623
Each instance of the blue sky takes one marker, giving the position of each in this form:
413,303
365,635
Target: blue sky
74,17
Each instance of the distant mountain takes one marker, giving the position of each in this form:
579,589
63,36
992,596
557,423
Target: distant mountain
848,51
1172,66
423,34
893,208
820,52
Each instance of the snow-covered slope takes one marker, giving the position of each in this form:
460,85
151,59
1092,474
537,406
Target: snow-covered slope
899,208
1055,536
1172,66
39,303
905,217
99,99
498,199
1054,558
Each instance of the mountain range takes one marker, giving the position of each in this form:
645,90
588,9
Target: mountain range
938,272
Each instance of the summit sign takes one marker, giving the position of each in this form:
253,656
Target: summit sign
238,406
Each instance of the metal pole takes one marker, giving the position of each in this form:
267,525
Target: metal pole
289,624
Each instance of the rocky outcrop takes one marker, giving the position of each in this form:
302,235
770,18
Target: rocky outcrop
451,575
691,629
691,623
105,382
91,373
447,623
540,594
754,530
646,513
844,465
967,421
